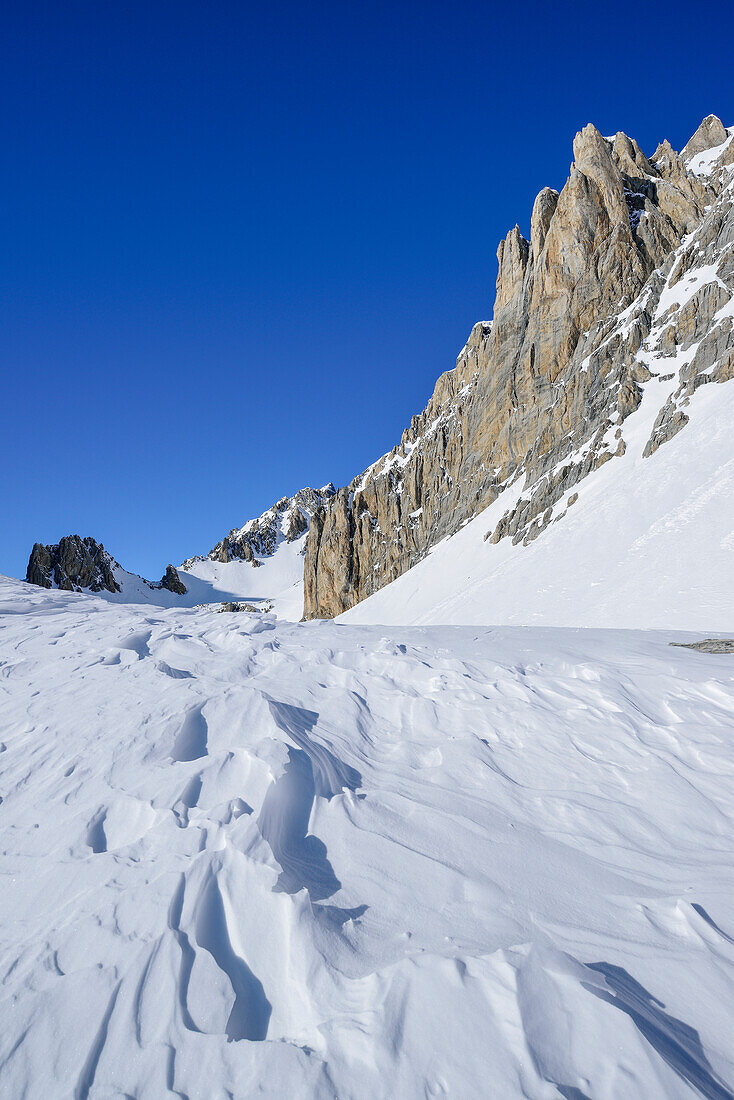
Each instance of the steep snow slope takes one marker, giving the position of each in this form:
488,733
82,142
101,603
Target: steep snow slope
244,857
648,543
278,582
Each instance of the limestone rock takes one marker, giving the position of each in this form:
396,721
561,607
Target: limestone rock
239,606
709,645
709,134
543,210
541,393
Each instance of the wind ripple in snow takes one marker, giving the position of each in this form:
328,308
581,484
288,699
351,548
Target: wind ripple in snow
284,822
312,770
361,864
251,1010
677,1044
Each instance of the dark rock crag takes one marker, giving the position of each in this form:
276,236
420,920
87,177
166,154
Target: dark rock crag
73,564
171,581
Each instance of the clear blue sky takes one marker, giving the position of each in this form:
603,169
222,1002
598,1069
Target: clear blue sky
240,241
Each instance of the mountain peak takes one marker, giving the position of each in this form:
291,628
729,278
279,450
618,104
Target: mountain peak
73,564
709,135
621,297
76,564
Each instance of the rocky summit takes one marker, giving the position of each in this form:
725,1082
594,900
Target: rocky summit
286,521
172,581
73,564
76,564
628,277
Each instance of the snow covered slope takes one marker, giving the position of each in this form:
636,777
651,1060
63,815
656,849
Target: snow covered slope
648,543
262,561
245,857
277,583
277,586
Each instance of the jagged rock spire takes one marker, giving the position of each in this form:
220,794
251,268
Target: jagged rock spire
541,395
709,134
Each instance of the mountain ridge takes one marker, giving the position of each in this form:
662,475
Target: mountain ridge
626,280
260,537
76,564
543,390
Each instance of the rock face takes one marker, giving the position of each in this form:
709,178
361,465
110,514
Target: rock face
171,581
628,275
709,134
73,564
259,538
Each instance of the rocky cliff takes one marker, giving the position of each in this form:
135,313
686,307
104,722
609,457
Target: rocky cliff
628,275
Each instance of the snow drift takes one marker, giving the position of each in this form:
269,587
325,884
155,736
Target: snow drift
246,857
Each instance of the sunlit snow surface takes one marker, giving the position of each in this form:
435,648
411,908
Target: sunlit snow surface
276,583
243,857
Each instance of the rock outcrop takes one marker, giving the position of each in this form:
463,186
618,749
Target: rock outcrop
76,564
710,134
586,312
73,564
286,521
172,582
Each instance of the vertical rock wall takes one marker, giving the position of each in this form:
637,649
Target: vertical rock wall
541,391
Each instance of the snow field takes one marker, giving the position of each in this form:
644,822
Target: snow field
276,584
247,857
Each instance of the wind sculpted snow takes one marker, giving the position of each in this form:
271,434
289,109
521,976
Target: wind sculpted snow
330,860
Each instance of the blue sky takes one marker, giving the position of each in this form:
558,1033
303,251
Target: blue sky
240,241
